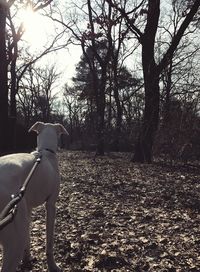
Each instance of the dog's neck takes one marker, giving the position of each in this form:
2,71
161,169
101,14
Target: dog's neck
47,140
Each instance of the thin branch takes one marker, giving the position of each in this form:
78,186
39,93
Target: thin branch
129,21
178,36
47,50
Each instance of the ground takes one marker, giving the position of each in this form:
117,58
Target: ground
113,215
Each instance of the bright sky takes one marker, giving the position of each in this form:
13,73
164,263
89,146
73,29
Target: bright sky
39,32
35,28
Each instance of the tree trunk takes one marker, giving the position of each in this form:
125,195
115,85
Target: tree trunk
119,110
101,116
144,145
167,90
4,139
13,105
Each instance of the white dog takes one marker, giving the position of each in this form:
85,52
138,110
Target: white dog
43,187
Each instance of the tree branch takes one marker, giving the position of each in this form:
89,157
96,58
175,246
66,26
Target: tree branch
175,41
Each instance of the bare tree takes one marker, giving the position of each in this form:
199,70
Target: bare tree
151,69
3,77
74,112
37,95
8,55
101,37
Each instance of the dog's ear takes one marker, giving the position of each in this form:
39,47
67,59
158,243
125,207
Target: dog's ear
37,127
60,129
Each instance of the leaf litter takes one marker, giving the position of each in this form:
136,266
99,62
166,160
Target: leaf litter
113,215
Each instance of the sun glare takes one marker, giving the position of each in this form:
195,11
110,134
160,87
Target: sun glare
36,28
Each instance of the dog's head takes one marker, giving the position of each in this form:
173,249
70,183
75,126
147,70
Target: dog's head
48,135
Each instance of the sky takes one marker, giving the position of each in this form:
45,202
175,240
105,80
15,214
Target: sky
39,33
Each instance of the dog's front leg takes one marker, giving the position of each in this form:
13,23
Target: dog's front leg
51,212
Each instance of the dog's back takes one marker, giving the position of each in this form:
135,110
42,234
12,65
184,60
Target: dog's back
45,180
13,171
15,168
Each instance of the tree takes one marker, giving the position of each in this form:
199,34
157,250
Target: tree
84,94
103,28
36,95
75,113
151,69
9,39
117,70
99,60
3,78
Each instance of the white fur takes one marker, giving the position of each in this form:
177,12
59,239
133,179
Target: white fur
42,188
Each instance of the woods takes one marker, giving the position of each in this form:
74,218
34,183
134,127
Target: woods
122,76
139,63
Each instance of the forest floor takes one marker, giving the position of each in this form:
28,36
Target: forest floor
113,215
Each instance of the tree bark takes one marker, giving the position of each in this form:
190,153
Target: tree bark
167,90
119,108
4,139
144,145
100,100
13,105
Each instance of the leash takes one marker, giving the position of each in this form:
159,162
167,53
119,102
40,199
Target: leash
9,212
